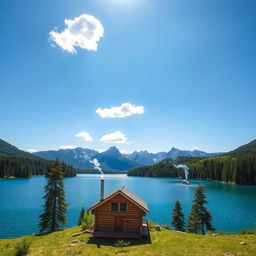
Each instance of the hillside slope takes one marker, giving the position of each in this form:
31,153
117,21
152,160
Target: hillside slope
162,243
6,149
18,163
249,148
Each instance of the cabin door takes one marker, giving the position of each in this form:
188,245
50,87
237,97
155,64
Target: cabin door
119,223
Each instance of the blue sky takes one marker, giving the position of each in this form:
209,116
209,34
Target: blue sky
190,64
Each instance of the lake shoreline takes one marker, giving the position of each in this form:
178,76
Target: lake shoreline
126,173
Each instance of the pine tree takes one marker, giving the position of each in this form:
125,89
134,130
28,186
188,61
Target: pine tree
81,217
193,220
178,217
55,206
199,218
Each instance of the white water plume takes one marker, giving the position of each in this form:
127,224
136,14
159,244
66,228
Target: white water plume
185,168
96,164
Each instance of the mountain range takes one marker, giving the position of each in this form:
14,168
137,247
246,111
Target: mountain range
112,159
146,158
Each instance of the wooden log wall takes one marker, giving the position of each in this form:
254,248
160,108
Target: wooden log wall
105,219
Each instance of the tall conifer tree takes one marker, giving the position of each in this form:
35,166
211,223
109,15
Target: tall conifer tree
55,206
200,218
81,217
178,217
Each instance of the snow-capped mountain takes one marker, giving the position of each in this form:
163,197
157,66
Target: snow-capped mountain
112,159
146,158
78,157
81,158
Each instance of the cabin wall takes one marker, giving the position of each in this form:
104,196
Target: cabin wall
105,222
132,224
129,221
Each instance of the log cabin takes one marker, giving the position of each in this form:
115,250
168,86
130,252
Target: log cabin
120,215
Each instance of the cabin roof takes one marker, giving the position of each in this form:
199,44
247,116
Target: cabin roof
127,193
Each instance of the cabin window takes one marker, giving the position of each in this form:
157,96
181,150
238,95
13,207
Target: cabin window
123,207
114,207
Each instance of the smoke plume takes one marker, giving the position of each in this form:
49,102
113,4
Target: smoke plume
96,164
185,168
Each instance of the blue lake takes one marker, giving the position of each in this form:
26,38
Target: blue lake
233,207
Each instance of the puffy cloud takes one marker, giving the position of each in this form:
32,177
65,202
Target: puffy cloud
31,150
114,137
124,110
84,31
67,147
84,135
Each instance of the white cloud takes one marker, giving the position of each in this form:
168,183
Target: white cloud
67,147
84,31
124,110
31,150
84,135
114,137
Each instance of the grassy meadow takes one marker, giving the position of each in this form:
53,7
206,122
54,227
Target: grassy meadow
162,243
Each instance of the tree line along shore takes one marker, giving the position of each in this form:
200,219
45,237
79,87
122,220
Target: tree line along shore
20,167
232,169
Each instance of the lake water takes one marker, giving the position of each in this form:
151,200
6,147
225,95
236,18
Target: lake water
233,207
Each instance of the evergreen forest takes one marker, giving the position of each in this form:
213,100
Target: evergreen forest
27,167
237,170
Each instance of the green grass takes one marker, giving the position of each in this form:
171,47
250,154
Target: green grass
162,243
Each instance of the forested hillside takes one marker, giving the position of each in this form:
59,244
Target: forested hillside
6,149
238,167
21,167
18,163
24,167
162,169
246,149
238,170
